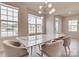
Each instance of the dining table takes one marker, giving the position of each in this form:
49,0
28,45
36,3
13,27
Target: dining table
33,40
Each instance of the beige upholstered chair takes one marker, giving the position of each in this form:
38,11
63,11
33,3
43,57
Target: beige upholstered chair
66,44
53,49
14,49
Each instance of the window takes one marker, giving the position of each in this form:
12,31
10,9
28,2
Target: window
34,24
57,25
31,24
9,21
39,25
72,25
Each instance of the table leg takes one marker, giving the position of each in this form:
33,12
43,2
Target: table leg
39,47
40,52
31,50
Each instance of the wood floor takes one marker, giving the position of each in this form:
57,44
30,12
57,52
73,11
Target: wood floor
74,50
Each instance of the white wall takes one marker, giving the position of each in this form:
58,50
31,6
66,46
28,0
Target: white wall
50,29
49,24
65,26
59,23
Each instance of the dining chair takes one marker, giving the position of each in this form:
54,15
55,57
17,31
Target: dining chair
53,49
14,49
67,41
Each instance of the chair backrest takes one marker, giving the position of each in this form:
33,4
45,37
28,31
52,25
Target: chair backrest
13,48
54,49
11,43
67,41
14,43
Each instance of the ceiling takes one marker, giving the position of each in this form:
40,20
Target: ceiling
62,8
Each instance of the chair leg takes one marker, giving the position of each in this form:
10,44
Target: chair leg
39,47
69,50
41,53
65,51
31,51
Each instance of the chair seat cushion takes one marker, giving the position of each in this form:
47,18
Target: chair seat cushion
15,43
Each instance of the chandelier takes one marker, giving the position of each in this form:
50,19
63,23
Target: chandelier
46,8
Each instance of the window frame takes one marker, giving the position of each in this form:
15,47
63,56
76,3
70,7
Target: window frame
36,18
71,25
8,22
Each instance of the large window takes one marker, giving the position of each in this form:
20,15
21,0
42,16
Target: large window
72,25
34,24
56,25
8,21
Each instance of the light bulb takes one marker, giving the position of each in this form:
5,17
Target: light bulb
39,12
53,10
40,7
49,5
50,12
